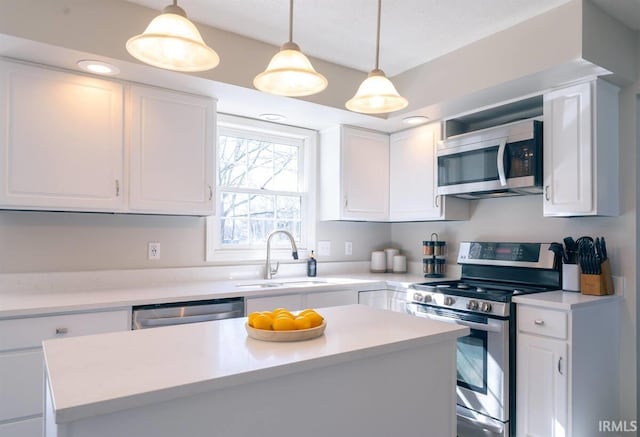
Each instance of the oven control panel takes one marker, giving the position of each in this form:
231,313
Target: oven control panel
532,255
467,304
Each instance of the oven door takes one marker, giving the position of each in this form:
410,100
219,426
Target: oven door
482,361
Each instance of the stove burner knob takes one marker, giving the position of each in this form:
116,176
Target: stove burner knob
472,305
426,298
486,307
417,297
448,301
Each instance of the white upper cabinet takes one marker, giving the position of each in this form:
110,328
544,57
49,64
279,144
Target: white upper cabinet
62,142
354,168
413,179
172,152
581,150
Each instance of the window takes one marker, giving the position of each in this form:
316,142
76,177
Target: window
264,171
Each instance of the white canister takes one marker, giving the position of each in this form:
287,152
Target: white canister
399,264
390,253
378,262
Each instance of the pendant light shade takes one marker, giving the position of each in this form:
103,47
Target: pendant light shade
290,72
376,94
173,42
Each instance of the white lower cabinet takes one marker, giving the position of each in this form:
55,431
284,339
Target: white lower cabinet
22,365
384,299
567,369
296,302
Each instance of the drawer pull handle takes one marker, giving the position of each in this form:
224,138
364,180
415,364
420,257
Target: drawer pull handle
560,366
539,322
62,331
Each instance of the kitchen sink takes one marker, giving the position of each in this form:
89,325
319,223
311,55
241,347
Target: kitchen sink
293,283
261,285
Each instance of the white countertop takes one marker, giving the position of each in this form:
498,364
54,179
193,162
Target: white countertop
104,373
562,300
17,303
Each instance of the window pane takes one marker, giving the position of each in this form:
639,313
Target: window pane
285,164
234,204
288,207
260,230
234,231
291,226
262,207
260,164
232,162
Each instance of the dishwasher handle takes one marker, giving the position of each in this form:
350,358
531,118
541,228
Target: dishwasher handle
167,321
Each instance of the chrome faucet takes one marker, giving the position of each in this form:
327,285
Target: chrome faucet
269,271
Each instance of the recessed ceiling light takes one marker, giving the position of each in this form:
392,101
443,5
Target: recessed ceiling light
272,117
98,67
415,119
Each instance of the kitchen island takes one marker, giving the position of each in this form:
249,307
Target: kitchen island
373,373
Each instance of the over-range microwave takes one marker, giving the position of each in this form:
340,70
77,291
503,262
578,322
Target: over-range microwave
504,160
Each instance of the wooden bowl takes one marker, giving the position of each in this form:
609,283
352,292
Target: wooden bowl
297,335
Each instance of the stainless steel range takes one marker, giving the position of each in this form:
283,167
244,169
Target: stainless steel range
492,273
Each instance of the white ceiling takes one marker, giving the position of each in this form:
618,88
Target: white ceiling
343,31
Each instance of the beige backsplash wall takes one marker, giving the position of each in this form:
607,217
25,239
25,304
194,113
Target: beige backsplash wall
54,241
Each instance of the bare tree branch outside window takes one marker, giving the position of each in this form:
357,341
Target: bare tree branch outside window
259,185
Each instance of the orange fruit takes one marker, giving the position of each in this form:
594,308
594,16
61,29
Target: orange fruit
252,317
281,311
315,318
302,322
262,321
283,323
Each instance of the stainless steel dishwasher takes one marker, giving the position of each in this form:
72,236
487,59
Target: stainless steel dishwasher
179,313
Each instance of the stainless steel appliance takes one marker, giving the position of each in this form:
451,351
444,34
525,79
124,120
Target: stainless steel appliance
167,314
492,273
498,161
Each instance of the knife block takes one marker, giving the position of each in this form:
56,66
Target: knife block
598,285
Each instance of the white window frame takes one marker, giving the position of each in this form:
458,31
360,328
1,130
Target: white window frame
215,252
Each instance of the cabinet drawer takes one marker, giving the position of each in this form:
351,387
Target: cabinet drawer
542,321
29,332
23,428
21,384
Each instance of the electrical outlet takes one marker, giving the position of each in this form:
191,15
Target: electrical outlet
324,248
153,250
348,248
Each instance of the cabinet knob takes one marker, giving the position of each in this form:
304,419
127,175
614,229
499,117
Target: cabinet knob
546,193
210,192
539,322
62,331
117,188
437,201
560,366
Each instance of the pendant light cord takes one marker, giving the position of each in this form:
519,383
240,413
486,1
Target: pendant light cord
377,35
290,20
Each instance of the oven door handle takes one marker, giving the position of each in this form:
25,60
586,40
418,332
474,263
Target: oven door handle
494,429
472,325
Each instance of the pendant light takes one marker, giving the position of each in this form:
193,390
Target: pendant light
173,42
376,94
290,72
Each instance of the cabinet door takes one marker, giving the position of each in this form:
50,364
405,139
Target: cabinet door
365,175
541,386
568,151
332,298
292,302
62,143
21,384
172,152
412,176
374,298
22,428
